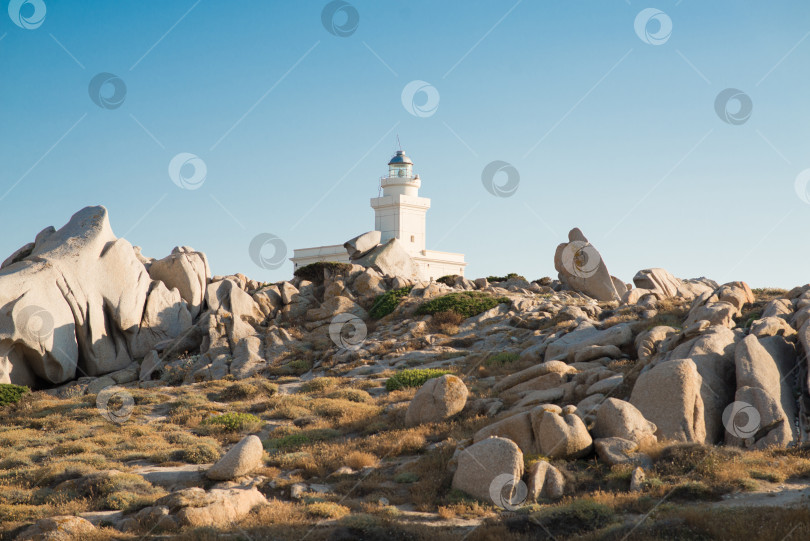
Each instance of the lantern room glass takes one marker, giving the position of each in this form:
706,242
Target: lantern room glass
400,170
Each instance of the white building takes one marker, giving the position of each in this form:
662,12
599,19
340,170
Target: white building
398,213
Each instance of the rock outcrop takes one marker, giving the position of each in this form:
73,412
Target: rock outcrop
582,269
80,302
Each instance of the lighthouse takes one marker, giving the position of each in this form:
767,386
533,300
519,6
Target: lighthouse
400,213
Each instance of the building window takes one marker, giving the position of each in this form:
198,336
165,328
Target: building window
412,238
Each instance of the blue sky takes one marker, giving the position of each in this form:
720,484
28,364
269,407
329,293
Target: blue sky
295,125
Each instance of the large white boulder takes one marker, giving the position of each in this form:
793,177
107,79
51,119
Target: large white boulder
668,395
482,464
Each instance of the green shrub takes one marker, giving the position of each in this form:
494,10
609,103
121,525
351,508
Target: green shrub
234,421
406,478
387,302
413,377
314,271
449,280
578,517
509,276
464,303
502,358
11,394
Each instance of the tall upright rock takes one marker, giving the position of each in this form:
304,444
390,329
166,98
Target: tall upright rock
580,267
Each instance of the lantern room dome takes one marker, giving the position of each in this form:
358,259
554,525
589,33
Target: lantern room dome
400,158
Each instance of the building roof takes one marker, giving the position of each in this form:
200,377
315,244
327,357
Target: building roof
400,157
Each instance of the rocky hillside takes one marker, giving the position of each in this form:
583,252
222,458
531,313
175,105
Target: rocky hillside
144,398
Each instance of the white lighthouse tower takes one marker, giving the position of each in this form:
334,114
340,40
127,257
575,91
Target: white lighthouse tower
399,212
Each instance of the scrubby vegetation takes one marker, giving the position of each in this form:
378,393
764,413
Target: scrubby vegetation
413,378
387,302
10,393
234,421
314,271
448,280
463,303
510,276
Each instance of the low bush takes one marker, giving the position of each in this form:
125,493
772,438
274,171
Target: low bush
387,302
463,303
412,377
510,276
564,521
11,394
501,359
234,421
449,280
314,271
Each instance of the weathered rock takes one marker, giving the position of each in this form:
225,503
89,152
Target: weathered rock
647,343
545,481
219,507
637,479
617,418
590,353
658,280
391,259
584,337
613,451
533,372
187,271
241,459
581,267
771,326
516,428
269,300
76,300
481,463
757,418
668,395
362,244
165,316
59,528
560,436
436,400
712,352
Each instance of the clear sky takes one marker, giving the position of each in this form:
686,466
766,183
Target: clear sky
611,125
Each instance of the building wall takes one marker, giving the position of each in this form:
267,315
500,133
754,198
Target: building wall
402,217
